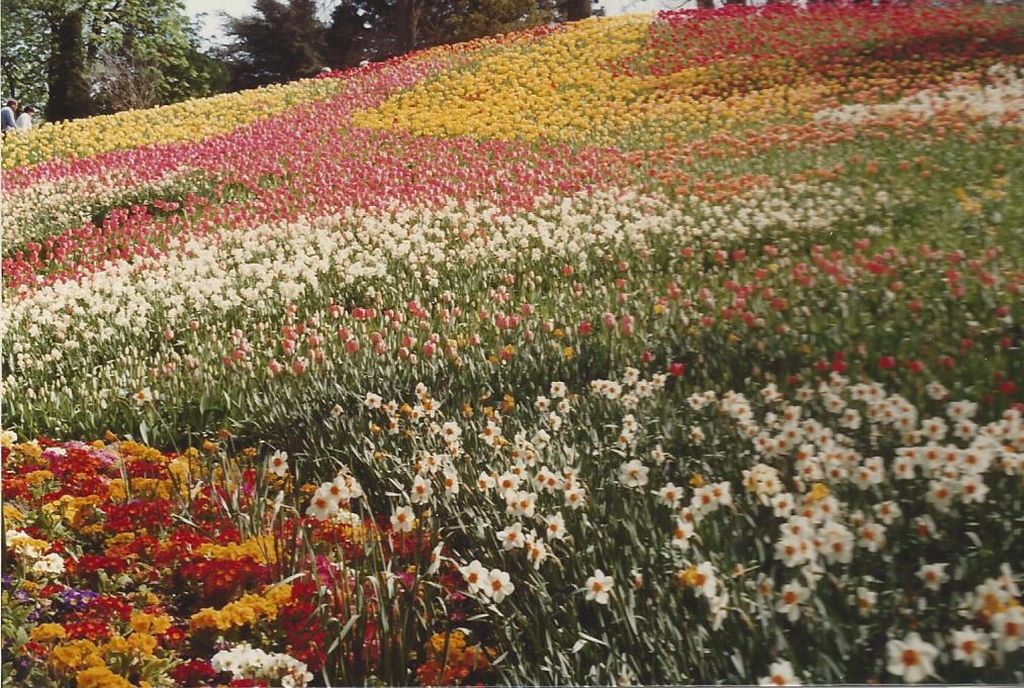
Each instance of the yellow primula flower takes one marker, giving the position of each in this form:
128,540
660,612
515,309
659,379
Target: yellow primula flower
243,612
75,656
149,623
142,644
12,515
262,548
100,677
48,632
36,477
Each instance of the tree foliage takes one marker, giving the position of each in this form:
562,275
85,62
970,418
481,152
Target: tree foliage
149,40
374,29
285,39
282,41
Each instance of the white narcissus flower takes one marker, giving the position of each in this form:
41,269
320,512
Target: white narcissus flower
933,575
1008,629
512,537
451,481
911,658
871,536
633,473
554,527
321,505
704,581
887,512
475,575
941,493
669,495
277,463
790,597
421,490
485,482
575,497
782,505
499,585
682,533
973,490
780,674
435,559
971,647
520,503
403,519
794,551
536,552
866,601
451,431
598,587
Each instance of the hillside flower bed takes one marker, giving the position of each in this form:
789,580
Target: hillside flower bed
664,349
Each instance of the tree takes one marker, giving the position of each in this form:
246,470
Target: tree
69,92
577,9
375,29
151,32
475,18
24,54
281,42
125,82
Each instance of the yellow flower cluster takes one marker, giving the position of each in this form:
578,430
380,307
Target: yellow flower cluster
100,677
48,632
573,86
75,656
141,488
150,623
136,644
184,467
558,87
262,548
25,545
134,451
76,512
245,611
13,515
192,120
37,477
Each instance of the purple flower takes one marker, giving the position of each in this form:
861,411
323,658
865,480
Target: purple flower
76,599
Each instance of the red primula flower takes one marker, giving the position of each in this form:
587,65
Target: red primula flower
193,673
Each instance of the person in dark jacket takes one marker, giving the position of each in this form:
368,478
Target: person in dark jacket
7,121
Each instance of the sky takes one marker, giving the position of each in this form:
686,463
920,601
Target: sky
213,33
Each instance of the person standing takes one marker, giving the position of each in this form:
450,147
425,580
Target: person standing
24,121
7,122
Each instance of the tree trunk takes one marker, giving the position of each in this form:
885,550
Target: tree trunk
408,20
69,92
578,9
706,4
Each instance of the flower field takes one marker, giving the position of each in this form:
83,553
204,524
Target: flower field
653,349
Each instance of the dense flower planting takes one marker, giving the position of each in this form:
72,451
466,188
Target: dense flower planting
682,348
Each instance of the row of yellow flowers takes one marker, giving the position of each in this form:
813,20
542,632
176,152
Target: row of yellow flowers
608,81
191,120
